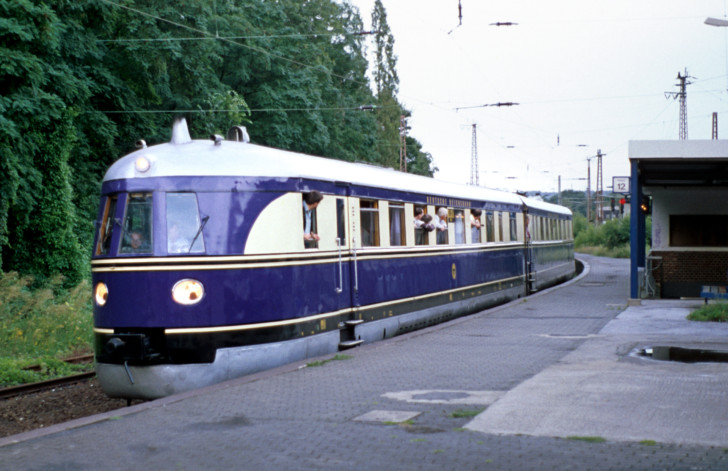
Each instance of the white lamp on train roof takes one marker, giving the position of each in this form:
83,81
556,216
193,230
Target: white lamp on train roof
142,164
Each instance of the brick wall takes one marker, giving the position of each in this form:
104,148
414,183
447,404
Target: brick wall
682,273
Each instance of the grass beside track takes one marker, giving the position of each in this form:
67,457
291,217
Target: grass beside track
42,327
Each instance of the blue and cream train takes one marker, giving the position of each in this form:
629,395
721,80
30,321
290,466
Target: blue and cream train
201,274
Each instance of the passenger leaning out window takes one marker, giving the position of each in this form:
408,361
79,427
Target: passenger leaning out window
310,201
475,225
441,226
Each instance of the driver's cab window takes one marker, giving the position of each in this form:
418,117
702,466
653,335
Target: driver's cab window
106,230
137,227
184,227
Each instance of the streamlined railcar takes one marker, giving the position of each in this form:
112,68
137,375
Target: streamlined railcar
208,264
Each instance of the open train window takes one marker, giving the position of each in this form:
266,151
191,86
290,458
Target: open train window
184,227
106,229
475,226
421,232
369,223
310,202
137,235
396,224
441,228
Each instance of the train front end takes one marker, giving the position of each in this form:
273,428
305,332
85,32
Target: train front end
161,301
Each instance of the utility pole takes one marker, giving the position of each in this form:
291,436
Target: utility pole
715,125
403,143
588,189
559,190
682,95
600,188
474,174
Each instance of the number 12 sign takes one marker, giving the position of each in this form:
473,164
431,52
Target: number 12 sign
620,185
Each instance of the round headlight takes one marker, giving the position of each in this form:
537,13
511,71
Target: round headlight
101,292
188,292
142,164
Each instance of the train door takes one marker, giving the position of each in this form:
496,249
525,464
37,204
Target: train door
352,209
348,234
528,257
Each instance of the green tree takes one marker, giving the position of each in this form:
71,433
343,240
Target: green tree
418,162
83,80
47,243
386,83
38,83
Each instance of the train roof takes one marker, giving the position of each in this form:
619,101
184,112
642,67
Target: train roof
233,158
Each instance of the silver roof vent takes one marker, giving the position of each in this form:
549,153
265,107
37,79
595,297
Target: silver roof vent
180,133
238,133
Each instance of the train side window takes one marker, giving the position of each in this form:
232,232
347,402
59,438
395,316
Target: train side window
184,228
489,222
340,220
512,226
310,202
396,224
459,226
500,227
421,232
369,211
540,228
107,226
475,226
441,227
137,235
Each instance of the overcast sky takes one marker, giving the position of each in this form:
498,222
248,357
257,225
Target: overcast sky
584,72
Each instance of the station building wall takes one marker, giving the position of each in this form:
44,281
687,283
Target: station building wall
689,240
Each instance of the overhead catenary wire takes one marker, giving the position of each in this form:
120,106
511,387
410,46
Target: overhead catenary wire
254,36
247,46
253,110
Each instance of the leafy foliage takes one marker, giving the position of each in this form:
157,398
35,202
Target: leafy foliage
609,239
83,80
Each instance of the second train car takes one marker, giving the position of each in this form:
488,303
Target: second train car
202,273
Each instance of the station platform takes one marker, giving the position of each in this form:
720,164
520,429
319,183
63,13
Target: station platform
557,380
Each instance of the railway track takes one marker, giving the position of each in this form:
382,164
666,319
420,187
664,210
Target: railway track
29,388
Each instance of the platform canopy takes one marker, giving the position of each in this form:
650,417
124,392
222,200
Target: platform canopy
701,163
676,165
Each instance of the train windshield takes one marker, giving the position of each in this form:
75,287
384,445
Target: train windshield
184,228
137,236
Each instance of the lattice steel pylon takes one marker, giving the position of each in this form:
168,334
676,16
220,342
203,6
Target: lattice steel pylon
682,95
600,189
474,173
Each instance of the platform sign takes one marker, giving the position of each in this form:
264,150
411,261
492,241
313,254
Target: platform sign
620,185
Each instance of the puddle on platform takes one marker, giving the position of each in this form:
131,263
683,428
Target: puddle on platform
684,355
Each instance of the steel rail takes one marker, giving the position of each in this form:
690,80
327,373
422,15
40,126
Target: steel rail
22,389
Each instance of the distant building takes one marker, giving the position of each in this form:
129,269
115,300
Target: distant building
685,186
